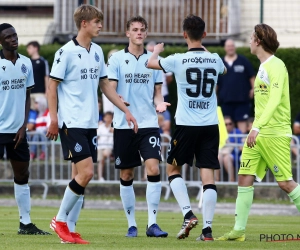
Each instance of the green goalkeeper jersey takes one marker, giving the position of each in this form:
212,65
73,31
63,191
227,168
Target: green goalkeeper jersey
272,99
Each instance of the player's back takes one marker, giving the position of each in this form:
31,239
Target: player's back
196,73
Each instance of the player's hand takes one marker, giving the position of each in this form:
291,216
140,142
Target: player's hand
126,103
162,107
52,132
19,136
251,139
130,119
159,48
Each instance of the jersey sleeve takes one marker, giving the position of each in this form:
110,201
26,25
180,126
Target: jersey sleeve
59,66
167,64
276,78
30,80
103,68
220,64
113,67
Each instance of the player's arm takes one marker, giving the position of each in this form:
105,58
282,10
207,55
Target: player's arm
21,132
160,105
109,89
153,61
52,132
276,89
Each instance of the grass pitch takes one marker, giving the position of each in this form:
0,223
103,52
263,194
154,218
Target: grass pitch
105,229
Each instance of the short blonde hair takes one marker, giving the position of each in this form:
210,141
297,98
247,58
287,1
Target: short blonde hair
86,12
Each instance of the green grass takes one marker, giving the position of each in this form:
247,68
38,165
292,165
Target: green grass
105,229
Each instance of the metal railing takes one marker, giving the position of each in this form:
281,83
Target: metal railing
53,170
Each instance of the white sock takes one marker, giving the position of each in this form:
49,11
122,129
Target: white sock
22,195
69,200
180,192
153,193
128,201
208,207
74,214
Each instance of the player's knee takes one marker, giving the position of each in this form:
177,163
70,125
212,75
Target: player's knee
153,170
21,177
286,186
126,175
89,175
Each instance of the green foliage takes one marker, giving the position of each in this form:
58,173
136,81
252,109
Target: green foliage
290,56
105,229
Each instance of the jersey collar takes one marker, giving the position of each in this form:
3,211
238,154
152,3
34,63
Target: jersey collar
127,51
3,57
77,44
196,49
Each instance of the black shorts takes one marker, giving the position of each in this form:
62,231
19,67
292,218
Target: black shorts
195,142
21,153
130,147
78,142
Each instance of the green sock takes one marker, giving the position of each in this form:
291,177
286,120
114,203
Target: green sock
242,207
295,196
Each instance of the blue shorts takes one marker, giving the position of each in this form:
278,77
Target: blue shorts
237,111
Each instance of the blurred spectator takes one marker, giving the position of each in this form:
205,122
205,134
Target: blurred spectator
105,142
166,125
161,121
296,132
100,110
236,88
229,155
41,125
33,113
167,77
40,69
296,126
107,105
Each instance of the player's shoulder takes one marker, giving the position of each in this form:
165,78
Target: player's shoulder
275,63
25,59
96,46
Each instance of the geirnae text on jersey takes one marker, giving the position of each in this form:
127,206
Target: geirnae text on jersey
198,105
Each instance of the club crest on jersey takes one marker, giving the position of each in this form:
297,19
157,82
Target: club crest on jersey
118,161
79,55
127,61
146,63
276,169
78,147
23,68
4,68
97,58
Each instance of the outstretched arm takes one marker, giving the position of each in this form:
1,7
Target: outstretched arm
110,91
161,106
153,62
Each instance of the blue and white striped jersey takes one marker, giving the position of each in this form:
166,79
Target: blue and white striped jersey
15,79
196,73
136,84
78,72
